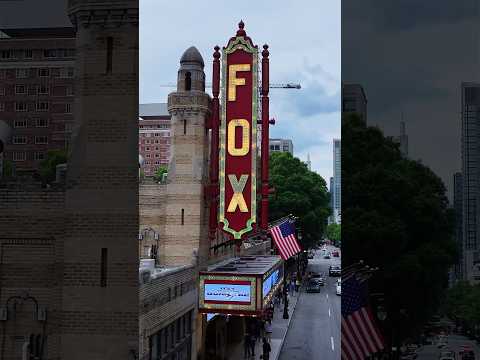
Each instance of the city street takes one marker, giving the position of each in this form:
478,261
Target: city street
315,328
431,352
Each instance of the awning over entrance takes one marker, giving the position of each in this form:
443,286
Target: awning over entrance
241,286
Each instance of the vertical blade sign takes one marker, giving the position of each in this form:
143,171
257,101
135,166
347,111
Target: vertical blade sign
238,135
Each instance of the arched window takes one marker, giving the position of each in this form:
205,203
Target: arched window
188,81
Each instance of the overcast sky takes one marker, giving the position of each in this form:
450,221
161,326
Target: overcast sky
412,60
304,47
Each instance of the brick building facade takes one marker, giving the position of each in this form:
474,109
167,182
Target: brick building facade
36,92
154,136
68,254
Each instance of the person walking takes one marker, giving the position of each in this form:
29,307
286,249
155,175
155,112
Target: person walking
247,345
253,342
266,349
297,285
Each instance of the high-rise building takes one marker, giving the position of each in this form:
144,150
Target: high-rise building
36,92
471,179
354,100
337,180
154,136
458,208
309,163
281,145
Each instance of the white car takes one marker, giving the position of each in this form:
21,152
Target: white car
339,287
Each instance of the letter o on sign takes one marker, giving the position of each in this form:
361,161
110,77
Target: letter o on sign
232,149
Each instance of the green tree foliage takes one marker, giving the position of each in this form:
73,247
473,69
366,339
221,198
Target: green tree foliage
159,173
300,192
395,216
48,166
333,232
7,168
462,304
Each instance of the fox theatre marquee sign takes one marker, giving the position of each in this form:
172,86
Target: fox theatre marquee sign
238,136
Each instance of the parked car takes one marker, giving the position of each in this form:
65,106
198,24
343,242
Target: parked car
335,253
313,286
334,270
339,287
310,255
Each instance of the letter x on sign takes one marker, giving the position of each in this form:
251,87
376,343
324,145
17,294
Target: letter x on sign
237,198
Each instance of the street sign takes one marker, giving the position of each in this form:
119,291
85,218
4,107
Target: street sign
238,136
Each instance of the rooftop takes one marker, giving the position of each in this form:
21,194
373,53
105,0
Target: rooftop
153,109
37,33
256,264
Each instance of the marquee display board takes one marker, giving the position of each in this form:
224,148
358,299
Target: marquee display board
227,294
238,137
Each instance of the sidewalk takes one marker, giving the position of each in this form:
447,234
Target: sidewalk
279,332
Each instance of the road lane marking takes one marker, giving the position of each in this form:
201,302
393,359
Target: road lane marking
327,296
331,340
329,315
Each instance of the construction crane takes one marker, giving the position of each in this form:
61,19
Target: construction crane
272,86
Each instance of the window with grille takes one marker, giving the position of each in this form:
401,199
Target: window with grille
19,156
42,106
43,89
22,123
27,53
44,72
38,155
20,106
20,89
41,139
21,73
17,140
41,122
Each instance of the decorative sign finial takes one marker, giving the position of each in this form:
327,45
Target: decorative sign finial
240,31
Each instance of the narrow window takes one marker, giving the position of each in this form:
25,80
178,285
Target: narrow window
188,81
109,54
103,268
184,127
183,216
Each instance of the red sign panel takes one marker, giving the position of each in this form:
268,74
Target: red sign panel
238,137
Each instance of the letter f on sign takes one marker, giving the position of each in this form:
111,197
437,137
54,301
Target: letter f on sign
233,81
237,198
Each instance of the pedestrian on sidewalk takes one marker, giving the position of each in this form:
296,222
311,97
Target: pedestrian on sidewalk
266,349
247,345
257,329
297,285
253,342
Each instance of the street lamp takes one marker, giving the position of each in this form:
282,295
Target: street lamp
285,297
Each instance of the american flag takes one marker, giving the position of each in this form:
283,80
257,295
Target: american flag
360,335
284,237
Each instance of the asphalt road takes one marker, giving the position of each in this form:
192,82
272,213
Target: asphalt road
314,331
431,352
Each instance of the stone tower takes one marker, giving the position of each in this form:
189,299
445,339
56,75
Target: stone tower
99,312
186,209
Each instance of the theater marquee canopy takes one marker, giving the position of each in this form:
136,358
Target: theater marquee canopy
243,285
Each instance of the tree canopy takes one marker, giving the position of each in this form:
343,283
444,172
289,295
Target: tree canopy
48,167
300,192
159,173
334,232
395,216
462,304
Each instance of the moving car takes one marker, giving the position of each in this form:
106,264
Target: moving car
466,353
319,277
339,287
334,270
326,256
447,354
313,286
